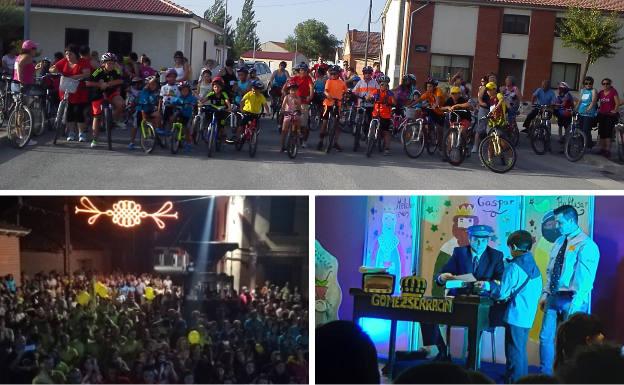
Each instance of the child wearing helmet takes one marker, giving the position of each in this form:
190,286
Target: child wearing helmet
147,107
132,97
305,91
319,87
106,82
218,98
253,104
384,102
364,88
186,102
335,88
498,107
169,91
291,103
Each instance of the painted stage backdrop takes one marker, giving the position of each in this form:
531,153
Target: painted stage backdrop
539,220
328,294
444,220
390,243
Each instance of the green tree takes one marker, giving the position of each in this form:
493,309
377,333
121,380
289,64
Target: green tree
312,38
592,32
246,25
12,25
216,14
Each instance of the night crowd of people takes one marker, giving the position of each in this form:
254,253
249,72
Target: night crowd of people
123,328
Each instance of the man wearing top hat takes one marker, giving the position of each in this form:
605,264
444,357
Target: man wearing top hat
478,259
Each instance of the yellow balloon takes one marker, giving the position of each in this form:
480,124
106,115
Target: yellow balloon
193,337
149,293
83,298
101,289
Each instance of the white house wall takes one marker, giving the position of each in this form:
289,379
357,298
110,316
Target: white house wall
391,38
514,46
157,39
200,36
454,30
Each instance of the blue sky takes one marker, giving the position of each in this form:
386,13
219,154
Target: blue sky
278,18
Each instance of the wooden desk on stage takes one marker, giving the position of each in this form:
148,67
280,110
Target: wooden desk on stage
471,312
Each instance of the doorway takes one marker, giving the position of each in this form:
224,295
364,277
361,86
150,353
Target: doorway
511,67
120,43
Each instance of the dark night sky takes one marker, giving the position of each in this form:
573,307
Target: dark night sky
44,216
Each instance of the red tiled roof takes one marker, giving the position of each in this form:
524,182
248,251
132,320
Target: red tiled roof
357,42
146,7
286,56
607,5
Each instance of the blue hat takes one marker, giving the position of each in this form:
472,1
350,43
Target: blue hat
482,231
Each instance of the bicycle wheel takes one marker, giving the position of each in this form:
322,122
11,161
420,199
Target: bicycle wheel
2,106
371,140
357,132
315,118
59,122
454,144
210,137
431,140
619,140
241,141
19,127
176,134
253,144
39,117
512,133
575,144
413,139
538,140
499,157
292,143
196,129
331,132
108,125
148,137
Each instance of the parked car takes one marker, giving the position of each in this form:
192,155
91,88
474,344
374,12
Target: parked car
262,70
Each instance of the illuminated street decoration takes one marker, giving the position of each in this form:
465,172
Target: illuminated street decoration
126,213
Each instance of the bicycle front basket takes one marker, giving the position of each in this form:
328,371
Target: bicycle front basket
410,112
68,84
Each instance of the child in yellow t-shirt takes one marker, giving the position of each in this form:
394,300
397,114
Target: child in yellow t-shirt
253,104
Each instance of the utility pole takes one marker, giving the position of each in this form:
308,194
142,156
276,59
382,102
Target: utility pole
370,11
225,35
67,240
26,19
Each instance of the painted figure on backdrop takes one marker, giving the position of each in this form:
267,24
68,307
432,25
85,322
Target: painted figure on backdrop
463,219
388,251
328,294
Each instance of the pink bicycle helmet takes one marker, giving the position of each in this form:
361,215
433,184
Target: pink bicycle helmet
29,44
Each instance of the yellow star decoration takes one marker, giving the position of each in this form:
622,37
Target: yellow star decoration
572,248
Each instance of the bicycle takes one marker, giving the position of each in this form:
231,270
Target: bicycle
249,134
177,130
540,129
619,135
361,123
68,86
316,112
575,140
456,141
276,105
6,101
495,151
293,137
432,133
347,112
20,121
414,135
210,131
332,120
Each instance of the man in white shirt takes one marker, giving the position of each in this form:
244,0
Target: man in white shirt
570,278
8,61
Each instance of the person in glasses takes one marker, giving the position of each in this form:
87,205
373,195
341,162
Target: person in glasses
588,108
608,101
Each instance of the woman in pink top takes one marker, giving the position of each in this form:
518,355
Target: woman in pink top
24,70
609,102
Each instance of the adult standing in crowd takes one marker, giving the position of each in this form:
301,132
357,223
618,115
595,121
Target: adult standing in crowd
181,67
609,102
210,65
588,108
73,67
8,60
544,96
565,103
570,275
228,74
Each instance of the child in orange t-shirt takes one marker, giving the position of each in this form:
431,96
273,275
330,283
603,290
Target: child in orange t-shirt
335,88
382,110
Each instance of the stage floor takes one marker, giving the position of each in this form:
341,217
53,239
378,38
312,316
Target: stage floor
495,371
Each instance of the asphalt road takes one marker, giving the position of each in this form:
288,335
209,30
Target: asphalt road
75,166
